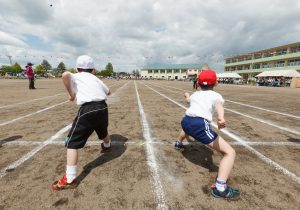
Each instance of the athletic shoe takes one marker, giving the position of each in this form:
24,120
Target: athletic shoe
63,184
105,149
229,194
179,145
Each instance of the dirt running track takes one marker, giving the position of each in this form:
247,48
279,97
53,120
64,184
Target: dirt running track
127,177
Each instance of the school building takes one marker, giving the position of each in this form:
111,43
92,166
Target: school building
286,57
171,71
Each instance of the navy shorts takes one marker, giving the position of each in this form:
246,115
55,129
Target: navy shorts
199,129
92,116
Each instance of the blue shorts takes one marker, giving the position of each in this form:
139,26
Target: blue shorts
199,129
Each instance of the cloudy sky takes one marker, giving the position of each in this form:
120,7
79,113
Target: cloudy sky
134,33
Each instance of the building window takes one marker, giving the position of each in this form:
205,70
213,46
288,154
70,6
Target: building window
150,71
295,62
268,65
162,71
176,70
169,71
295,49
246,67
155,71
279,64
183,70
256,66
281,51
257,56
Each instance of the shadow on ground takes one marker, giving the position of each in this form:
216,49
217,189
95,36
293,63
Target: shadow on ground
9,139
294,140
116,151
200,155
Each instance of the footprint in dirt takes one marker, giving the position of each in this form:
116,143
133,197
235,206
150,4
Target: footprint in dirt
60,202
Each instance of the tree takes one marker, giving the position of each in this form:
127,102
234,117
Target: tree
16,68
45,66
6,69
109,67
136,73
61,68
39,69
106,73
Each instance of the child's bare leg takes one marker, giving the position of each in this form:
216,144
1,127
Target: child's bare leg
227,161
72,158
181,136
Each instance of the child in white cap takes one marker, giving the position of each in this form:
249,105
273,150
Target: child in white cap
91,94
196,123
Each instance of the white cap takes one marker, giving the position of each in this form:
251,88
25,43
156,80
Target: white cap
85,62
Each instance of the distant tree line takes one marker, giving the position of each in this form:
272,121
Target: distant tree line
45,67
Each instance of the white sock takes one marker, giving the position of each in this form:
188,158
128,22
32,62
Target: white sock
106,144
221,185
71,173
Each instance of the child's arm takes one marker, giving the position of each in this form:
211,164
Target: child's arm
66,77
187,97
220,110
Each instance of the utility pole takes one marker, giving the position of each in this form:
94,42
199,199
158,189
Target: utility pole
9,57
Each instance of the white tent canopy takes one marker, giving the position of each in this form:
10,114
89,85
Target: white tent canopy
279,73
229,75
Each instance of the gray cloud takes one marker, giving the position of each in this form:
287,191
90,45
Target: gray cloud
135,33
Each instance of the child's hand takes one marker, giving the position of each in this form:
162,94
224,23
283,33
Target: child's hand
71,98
221,123
186,95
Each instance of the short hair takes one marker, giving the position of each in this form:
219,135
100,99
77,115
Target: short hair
206,87
85,70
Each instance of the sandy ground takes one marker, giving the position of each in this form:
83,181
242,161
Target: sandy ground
121,179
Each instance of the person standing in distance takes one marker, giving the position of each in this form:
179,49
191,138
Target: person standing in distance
30,75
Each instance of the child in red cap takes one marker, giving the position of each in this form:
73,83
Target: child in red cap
196,123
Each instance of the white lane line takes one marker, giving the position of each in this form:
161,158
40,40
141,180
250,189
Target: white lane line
244,143
34,151
25,102
151,159
267,110
263,121
31,114
37,99
242,104
95,142
41,146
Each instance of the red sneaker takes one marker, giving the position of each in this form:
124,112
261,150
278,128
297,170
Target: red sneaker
63,184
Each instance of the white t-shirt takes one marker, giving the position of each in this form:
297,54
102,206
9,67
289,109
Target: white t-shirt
202,104
87,88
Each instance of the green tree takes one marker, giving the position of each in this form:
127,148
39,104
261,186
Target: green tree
61,68
16,68
6,68
39,69
109,67
45,66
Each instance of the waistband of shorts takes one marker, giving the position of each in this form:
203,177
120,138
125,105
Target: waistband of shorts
200,118
94,102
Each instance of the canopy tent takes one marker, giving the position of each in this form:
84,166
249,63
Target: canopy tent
229,75
279,73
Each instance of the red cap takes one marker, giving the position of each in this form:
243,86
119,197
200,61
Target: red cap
207,77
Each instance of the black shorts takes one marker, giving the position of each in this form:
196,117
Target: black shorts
92,116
